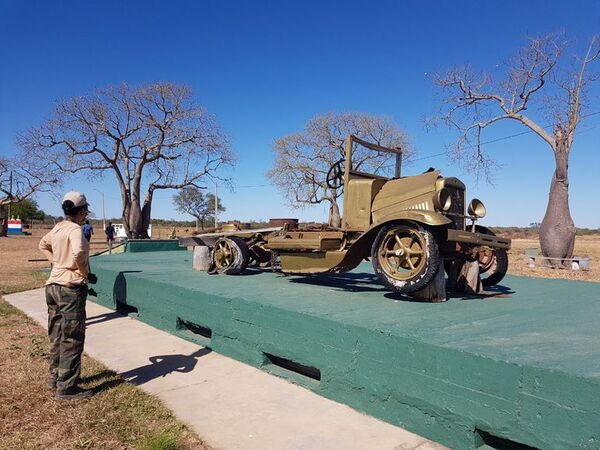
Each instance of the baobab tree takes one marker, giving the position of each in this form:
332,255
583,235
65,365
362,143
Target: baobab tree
150,137
304,158
538,73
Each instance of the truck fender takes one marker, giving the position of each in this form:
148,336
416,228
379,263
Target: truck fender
356,253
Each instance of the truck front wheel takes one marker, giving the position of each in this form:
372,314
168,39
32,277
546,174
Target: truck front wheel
405,257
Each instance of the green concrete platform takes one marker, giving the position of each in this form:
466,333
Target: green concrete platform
466,373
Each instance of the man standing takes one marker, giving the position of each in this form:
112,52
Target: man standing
66,292
88,230
110,235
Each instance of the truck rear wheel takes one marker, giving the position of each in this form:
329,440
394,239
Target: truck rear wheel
405,257
493,262
230,255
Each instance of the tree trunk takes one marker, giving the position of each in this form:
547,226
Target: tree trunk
335,220
125,214
135,219
146,217
141,221
557,231
3,220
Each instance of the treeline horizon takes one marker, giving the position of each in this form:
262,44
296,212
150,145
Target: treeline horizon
521,231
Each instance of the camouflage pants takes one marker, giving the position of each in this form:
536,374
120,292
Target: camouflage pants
66,329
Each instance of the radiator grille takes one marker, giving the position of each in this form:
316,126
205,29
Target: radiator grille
457,209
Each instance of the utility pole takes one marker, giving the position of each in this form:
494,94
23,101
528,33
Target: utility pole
216,206
103,210
10,192
103,214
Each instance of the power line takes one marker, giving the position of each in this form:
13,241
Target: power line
252,186
503,138
435,155
430,156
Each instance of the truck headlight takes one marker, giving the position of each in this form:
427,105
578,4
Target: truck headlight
442,200
476,209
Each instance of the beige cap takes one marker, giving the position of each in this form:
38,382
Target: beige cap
77,198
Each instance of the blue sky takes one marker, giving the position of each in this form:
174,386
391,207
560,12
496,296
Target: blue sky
263,68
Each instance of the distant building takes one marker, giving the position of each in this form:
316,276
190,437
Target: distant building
120,231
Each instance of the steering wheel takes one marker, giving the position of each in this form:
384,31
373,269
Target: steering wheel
335,176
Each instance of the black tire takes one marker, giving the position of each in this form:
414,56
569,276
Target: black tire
494,265
423,259
234,262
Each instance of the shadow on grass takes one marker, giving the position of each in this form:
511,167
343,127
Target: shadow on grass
98,376
249,271
108,384
492,292
348,281
108,378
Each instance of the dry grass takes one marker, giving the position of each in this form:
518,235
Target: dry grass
119,416
17,274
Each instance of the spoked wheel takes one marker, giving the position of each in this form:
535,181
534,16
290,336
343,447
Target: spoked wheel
335,175
492,261
405,257
230,255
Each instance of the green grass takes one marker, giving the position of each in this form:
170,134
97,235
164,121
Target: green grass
162,441
6,309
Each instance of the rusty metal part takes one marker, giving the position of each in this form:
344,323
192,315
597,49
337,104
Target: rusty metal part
475,238
292,224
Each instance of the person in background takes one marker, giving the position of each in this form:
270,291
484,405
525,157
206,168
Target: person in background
66,292
88,230
110,235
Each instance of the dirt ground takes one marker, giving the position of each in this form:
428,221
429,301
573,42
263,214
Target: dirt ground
16,270
584,246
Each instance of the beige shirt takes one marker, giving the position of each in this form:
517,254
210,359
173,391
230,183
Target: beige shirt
68,251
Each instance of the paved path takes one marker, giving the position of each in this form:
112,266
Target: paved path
229,404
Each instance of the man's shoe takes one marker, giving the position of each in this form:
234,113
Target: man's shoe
75,393
51,383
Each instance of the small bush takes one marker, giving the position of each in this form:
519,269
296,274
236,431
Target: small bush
162,441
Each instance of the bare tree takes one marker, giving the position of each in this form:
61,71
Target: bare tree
192,201
303,159
474,101
19,179
150,137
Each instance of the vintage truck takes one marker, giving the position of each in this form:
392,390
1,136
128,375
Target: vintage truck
409,227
